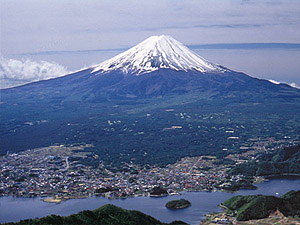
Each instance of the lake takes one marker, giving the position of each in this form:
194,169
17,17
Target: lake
15,209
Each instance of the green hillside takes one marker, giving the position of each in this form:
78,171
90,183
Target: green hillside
260,206
106,215
286,160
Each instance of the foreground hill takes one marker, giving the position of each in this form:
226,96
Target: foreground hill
260,206
258,209
106,215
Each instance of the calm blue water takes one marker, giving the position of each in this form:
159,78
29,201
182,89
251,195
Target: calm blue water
15,209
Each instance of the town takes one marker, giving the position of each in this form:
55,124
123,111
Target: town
58,173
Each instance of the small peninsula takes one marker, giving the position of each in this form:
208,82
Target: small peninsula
158,192
260,209
178,204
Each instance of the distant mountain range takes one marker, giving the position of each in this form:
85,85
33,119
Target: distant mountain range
158,73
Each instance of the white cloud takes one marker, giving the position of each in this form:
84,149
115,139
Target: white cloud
294,85
274,82
17,72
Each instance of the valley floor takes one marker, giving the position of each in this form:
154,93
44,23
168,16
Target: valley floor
59,172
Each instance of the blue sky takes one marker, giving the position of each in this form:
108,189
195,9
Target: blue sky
81,33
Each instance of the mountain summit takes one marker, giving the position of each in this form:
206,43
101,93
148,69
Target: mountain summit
157,52
158,66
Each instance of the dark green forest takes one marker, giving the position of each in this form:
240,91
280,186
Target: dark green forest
106,215
286,160
260,206
149,131
178,204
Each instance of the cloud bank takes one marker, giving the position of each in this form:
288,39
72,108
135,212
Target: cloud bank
294,85
17,72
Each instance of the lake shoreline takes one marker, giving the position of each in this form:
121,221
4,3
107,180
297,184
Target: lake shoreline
203,203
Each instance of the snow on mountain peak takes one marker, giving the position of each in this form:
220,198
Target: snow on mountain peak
157,52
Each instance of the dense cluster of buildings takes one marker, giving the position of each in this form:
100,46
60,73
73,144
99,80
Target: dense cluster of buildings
60,172
52,171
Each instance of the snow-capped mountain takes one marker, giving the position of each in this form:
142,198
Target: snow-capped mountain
160,72
157,52
158,66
